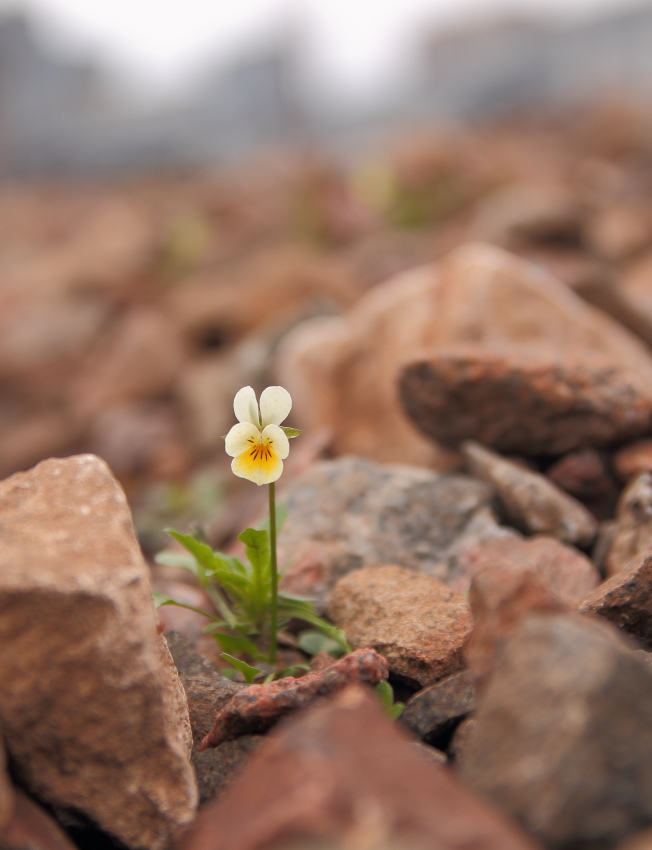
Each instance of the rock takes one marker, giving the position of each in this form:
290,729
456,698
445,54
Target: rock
432,754
633,459
435,712
563,733
477,295
259,707
96,719
343,771
641,841
500,598
626,600
352,513
530,405
633,533
461,737
6,791
30,827
216,769
562,570
417,623
530,500
28,439
585,475
173,618
618,231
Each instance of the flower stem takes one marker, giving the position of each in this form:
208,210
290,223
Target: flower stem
274,569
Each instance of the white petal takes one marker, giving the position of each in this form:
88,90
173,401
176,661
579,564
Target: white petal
245,406
275,405
278,441
241,438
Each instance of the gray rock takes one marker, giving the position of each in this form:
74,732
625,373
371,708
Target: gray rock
530,500
94,716
563,733
434,712
352,513
217,768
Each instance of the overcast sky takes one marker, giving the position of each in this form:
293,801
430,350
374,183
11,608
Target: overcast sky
354,41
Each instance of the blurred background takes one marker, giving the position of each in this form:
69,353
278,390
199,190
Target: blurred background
184,183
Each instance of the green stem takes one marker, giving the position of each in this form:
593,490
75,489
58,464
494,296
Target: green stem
274,569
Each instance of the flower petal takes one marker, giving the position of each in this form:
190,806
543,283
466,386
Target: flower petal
278,442
245,406
275,405
241,438
260,470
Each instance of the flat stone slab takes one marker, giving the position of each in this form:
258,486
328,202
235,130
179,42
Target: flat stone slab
93,713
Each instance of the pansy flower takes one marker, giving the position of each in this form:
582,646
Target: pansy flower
257,444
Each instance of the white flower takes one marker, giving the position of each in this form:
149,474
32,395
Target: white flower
257,444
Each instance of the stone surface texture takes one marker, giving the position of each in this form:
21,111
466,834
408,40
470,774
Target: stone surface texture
626,600
531,403
434,712
530,500
633,459
477,295
30,827
342,775
95,719
633,532
417,623
352,513
566,573
563,732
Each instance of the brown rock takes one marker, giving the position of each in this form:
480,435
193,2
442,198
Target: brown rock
417,623
641,841
530,500
259,707
30,827
352,513
563,733
435,712
217,769
461,737
533,405
477,295
632,460
584,474
633,533
618,231
500,598
342,773
95,696
6,791
562,570
626,599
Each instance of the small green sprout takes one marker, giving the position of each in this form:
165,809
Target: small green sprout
386,695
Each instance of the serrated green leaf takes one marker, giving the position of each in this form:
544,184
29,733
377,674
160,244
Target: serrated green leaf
290,432
247,670
181,560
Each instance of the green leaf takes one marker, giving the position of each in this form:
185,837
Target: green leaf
247,670
302,610
237,643
177,559
312,641
386,694
290,432
161,599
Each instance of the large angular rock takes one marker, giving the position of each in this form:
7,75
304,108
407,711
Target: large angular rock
633,531
539,403
342,775
417,623
352,513
343,371
626,600
530,500
563,733
92,709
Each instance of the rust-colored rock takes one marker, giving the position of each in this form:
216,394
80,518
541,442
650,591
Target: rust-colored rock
563,734
417,623
530,500
633,532
30,827
95,719
342,773
586,476
566,573
513,403
626,600
259,707
633,459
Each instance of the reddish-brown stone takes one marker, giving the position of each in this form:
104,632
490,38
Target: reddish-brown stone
341,773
